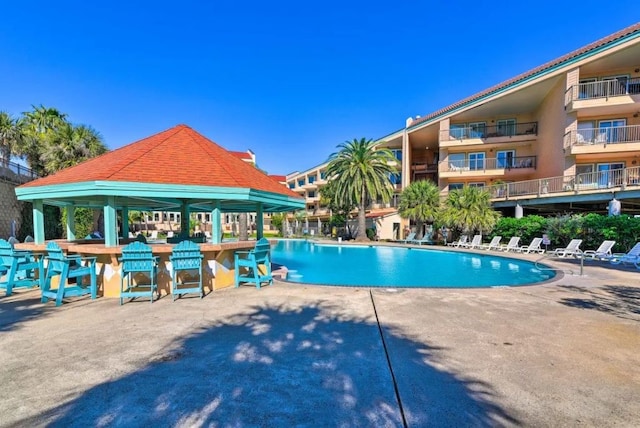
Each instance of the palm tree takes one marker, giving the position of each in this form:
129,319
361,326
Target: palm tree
362,174
469,209
10,137
70,145
37,127
420,202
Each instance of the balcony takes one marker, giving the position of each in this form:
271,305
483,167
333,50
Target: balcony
603,93
600,140
591,182
505,133
488,167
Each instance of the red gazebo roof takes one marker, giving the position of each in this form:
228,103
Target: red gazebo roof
178,155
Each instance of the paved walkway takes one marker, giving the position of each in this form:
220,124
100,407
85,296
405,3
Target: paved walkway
564,353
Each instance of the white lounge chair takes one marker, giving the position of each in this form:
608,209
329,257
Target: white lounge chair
533,247
493,245
476,242
573,249
512,245
410,237
602,253
460,242
633,256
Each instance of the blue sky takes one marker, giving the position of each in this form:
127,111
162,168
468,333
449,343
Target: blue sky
288,80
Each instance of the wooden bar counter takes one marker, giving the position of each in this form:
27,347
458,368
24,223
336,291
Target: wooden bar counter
217,266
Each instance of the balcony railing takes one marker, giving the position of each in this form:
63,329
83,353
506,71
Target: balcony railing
493,163
603,89
16,173
609,135
579,183
483,131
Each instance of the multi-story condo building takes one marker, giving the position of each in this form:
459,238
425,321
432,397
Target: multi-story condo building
564,136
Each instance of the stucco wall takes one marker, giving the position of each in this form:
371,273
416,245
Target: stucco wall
552,120
10,209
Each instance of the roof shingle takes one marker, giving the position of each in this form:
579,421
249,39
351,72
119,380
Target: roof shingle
179,156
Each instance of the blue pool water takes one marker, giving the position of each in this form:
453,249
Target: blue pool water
386,266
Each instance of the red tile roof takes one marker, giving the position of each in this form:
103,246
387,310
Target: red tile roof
279,178
558,61
380,212
242,155
178,155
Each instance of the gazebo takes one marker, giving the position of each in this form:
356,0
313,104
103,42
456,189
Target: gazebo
174,170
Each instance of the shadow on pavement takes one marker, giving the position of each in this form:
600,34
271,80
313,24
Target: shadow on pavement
277,366
619,300
16,309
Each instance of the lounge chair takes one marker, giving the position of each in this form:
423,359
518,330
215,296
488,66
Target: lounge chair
426,239
460,242
573,249
633,256
512,245
602,253
410,237
476,242
493,245
533,247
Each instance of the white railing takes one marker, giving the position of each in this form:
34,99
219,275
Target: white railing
609,135
483,164
604,89
579,183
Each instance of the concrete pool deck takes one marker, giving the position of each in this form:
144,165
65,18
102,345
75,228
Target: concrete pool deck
564,353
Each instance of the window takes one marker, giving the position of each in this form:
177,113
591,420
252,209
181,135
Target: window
504,158
456,131
156,216
292,185
455,186
323,175
477,129
611,131
301,182
397,153
506,127
199,217
457,161
587,88
311,194
395,200
477,184
585,132
610,174
312,178
616,85
171,216
207,217
476,161
396,178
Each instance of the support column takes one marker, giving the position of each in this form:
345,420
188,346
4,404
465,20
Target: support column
216,223
125,222
71,223
259,221
110,223
38,221
184,219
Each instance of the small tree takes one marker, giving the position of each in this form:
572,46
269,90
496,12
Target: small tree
420,202
469,209
277,220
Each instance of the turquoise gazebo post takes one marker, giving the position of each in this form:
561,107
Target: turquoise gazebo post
125,222
185,213
38,221
71,222
259,221
110,223
216,223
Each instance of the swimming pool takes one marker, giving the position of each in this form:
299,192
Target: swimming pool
388,266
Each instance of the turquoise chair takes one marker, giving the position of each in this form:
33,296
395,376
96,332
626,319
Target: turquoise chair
249,262
18,268
137,259
66,268
186,256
